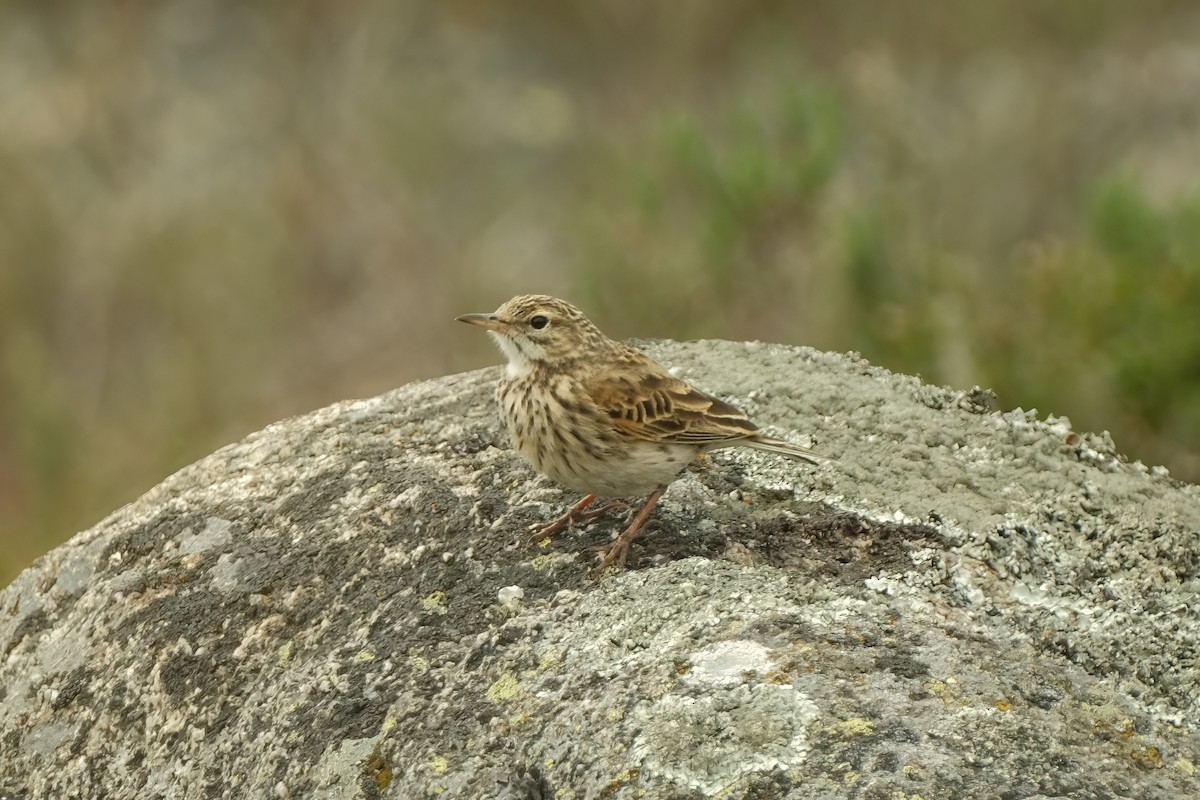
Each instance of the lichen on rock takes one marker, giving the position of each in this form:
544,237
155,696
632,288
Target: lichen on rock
970,603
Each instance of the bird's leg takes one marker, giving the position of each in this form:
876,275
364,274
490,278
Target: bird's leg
616,552
614,505
576,514
546,531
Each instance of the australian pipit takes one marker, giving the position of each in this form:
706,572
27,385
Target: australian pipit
602,418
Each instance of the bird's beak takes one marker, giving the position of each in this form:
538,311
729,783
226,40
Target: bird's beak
489,321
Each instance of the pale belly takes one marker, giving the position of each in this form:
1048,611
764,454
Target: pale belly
637,469
578,446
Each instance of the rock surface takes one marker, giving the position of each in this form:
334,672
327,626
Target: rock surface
967,605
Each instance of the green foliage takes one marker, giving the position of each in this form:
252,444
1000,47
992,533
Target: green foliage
1152,326
722,205
1105,328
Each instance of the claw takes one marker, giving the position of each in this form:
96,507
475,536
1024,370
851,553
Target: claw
538,533
618,551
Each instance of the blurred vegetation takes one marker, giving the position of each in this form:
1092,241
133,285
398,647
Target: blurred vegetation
213,215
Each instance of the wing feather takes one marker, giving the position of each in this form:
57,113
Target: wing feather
646,402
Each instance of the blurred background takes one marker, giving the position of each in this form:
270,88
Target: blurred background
217,214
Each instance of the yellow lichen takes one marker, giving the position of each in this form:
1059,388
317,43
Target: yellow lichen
1148,756
855,727
380,770
503,688
942,691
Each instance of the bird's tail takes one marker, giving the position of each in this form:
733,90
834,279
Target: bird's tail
760,442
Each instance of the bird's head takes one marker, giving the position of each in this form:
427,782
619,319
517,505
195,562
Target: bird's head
536,329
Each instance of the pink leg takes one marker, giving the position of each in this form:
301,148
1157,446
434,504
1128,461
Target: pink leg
618,550
546,531
576,514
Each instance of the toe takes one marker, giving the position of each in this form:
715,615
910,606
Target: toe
613,554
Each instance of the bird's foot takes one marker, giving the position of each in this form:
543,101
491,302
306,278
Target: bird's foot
614,553
618,551
577,513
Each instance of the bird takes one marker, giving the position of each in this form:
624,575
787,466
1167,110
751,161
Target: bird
602,418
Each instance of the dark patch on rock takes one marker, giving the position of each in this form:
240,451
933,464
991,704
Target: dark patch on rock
30,625
902,665
72,688
315,498
527,783
844,546
146,539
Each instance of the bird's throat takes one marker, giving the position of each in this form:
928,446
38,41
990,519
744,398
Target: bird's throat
519,362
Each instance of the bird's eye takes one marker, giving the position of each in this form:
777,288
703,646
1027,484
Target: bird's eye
538,322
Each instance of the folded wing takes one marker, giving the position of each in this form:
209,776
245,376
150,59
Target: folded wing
648,403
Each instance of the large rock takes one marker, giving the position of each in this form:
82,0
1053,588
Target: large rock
968,605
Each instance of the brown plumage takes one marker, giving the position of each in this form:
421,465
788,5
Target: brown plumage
601,417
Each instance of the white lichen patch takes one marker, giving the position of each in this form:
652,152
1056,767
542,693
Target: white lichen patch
710,742
729,663
510,597
215,534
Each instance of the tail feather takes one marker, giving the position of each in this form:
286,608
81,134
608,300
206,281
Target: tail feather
760,442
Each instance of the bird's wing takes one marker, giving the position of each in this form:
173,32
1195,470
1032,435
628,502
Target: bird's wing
644,401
